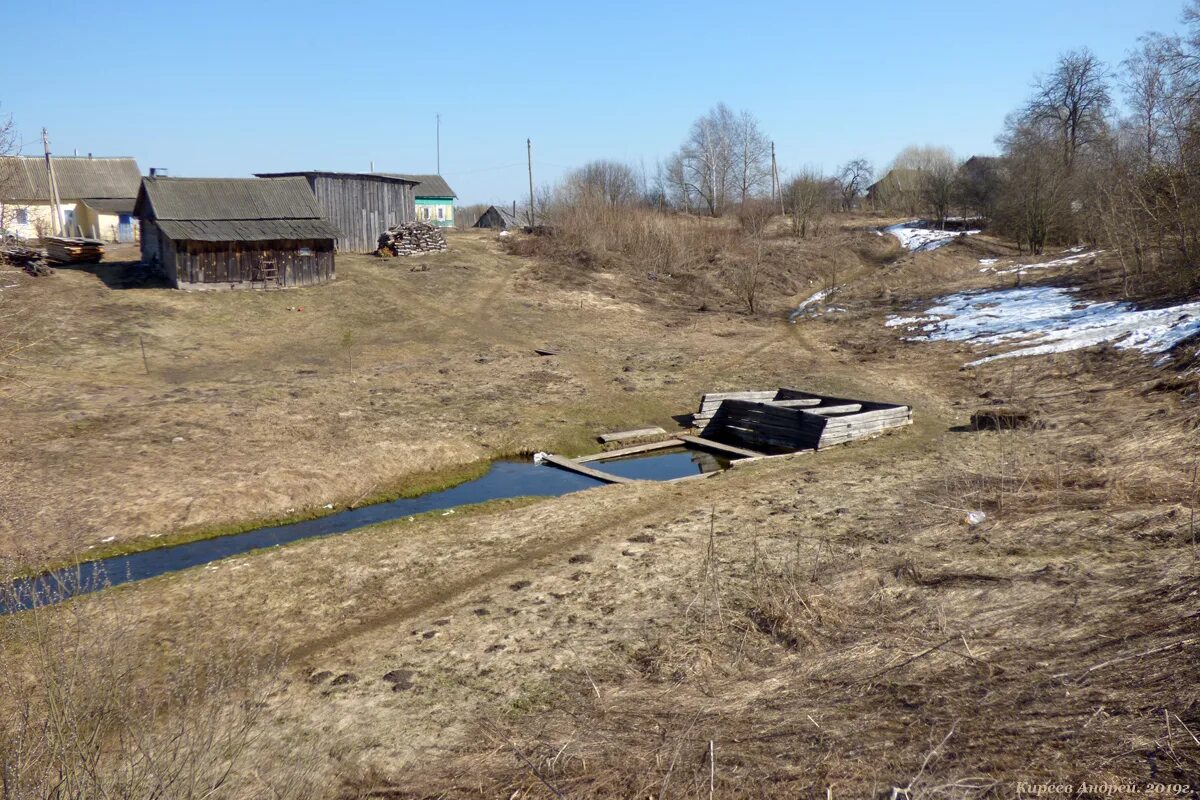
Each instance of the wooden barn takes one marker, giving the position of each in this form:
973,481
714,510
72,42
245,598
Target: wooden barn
500,218
360,205
212,233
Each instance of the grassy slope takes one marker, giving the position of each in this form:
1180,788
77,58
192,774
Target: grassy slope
825,621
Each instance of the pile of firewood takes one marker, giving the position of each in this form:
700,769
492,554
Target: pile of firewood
71,250
410,238
29,259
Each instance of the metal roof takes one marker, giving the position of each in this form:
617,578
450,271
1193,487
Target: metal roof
228,198
383,176
254,230
428,185
234,209
25,178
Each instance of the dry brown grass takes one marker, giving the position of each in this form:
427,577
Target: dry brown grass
822,626
904,650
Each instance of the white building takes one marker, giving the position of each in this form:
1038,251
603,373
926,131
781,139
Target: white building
96,195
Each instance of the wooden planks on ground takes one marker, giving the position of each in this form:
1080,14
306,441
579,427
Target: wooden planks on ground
630,451
624,436
574,466
720,447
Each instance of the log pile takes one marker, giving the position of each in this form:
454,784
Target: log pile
70,250
29,259
410,238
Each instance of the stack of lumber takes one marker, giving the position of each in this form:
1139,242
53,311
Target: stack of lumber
29,259
710,402
67,250
410,238
770,426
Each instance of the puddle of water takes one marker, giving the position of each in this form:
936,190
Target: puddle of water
505,479
664,465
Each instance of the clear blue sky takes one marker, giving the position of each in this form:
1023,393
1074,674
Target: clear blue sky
231,88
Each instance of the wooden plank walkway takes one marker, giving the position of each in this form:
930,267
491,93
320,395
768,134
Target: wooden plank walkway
709,444
575,466
641,433
630,451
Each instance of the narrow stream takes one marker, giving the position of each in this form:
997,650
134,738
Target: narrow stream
504,479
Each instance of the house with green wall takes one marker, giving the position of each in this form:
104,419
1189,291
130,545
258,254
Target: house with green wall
434,199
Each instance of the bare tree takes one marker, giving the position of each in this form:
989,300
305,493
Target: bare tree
938,181
752,151
1035,201
10,147
1073,101
853,178
611,182
710,158
725,160
808,198
1147,84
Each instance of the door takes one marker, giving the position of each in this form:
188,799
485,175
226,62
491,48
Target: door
125,228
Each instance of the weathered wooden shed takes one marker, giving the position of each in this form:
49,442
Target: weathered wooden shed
501,218
235,232
360,205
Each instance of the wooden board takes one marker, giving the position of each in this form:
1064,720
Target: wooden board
709,444
622,436
630,451
574,466
848,408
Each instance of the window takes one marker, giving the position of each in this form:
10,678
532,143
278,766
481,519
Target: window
22,217
304,251
441,212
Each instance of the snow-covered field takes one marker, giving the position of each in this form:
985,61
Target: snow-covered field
916,238
1048,319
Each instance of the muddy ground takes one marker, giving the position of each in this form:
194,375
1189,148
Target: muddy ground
825,625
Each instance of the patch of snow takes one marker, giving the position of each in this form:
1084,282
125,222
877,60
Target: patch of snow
893,322
987,262
815,297
1048,319
918,239
1077,256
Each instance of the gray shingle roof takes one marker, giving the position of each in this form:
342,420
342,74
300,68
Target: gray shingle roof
252,230
24,178
427,185
234,209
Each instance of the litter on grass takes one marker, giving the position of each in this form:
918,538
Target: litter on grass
1049,319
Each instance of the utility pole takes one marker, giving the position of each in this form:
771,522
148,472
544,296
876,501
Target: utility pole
529,156
774,182
439,144
775,179
55,200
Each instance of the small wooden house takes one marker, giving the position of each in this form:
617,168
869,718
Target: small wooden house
360,205
434,199
501,218
216,233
